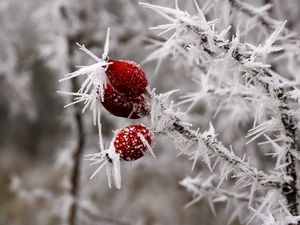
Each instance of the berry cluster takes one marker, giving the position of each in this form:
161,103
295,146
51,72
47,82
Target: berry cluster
123,97
120,87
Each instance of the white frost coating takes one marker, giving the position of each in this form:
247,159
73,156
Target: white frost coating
91,91
145,142
106,46
109,159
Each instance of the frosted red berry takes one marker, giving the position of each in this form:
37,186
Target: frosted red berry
128,143
126,77
123,105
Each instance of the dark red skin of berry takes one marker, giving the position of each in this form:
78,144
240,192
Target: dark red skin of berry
126,77
123,105
128,143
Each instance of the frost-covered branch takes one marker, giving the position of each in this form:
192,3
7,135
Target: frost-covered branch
166,121
235,164
267,21
205,187
198,34
269,206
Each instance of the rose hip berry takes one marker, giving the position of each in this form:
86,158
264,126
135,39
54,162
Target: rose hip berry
123,105
128,142
126,77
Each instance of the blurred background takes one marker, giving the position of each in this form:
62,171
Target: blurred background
37,134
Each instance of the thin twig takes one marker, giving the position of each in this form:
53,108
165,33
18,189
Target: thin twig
79,135
77,155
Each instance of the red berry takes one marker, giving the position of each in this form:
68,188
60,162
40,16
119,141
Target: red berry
126,77
123,105
129,144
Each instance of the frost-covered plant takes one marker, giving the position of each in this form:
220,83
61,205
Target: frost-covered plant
229,72
241,68
236,68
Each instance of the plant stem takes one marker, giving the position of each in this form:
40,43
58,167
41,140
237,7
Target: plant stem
290,189
220,150
78,150
79,129
291,193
